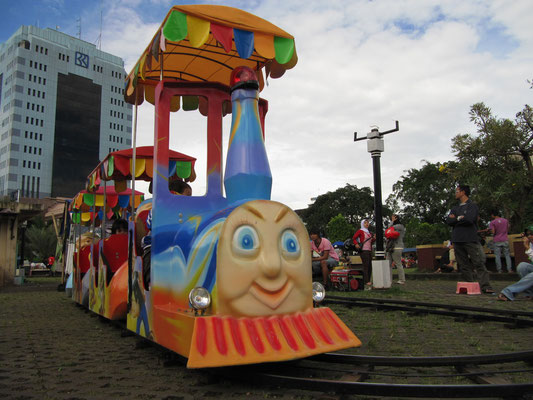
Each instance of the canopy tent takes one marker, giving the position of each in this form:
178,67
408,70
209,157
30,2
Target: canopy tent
86,204
118,166
204,43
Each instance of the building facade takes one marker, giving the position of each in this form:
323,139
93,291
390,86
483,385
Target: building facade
62,110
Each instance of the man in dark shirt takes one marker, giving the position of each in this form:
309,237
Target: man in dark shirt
468,252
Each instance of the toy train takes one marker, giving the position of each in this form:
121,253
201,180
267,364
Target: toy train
229,276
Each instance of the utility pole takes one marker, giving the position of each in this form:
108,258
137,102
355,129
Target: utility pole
376,146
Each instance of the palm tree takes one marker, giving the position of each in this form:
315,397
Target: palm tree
41,240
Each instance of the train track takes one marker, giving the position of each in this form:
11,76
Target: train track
478,376
512,318
446,377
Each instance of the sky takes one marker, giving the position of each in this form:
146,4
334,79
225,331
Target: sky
361,64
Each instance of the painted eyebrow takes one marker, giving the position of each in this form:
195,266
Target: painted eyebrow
281,214
254,211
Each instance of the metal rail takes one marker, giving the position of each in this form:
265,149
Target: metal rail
432,308
439,305
340,358
296,374
397,390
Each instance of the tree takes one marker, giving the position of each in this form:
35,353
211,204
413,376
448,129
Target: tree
338,229
41,240
496,162
353,203
426,193
418,233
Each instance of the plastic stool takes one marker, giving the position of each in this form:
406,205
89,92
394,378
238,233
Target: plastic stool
468,288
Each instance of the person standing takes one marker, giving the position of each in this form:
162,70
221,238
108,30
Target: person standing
395,247
362,239
500,227
324,257
525,270
468,251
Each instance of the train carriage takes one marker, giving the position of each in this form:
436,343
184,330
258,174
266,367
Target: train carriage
108,284
88,209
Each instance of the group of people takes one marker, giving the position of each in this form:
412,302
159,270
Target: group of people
325,258
465,252
470,256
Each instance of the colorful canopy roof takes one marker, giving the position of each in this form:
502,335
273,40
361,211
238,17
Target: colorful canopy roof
118,166
84,203
204,43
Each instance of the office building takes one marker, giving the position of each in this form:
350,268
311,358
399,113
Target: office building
62,110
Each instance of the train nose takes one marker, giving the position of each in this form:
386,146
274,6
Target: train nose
270,264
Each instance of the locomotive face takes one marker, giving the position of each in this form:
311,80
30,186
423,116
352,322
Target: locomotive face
263,261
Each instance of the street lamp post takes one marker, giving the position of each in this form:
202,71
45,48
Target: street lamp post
376,146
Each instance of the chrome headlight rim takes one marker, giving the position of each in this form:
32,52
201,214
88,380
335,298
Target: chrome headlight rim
319,292
199,298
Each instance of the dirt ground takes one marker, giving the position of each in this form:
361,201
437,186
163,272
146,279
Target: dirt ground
52,349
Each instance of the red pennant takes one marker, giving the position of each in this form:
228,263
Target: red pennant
223,35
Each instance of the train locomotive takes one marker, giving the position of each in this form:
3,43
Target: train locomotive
229,279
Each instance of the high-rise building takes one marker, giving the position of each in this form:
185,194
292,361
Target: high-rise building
62,110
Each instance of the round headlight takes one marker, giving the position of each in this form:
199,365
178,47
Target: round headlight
318,292
199,298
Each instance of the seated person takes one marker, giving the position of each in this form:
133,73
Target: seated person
115,247
84,245
119,227
525,270
324,256
176,187
447,261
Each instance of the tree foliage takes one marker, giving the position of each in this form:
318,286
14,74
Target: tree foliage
40,240
352,202
418,233
338,229
496,162
426,193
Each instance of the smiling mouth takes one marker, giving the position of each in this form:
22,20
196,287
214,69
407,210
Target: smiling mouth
271,298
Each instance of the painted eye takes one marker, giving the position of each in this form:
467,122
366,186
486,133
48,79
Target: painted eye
290,244
245,241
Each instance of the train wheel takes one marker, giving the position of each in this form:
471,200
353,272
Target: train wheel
354,284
